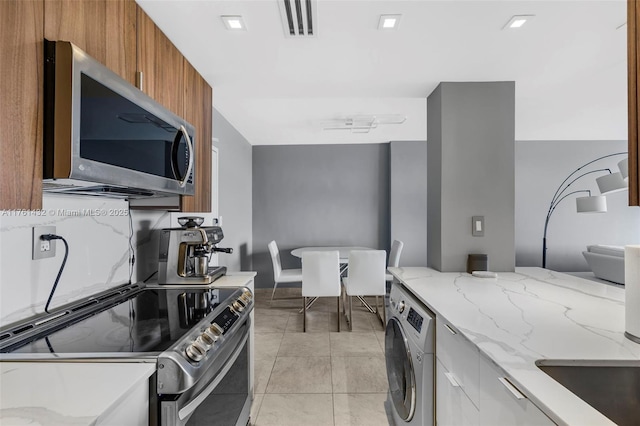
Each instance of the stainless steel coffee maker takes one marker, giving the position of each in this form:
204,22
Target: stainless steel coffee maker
185,252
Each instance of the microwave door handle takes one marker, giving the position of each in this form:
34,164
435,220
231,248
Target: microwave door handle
174,157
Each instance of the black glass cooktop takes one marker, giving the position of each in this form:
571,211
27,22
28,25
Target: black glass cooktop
149,322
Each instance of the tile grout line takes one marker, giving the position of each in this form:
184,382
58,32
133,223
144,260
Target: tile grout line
333,397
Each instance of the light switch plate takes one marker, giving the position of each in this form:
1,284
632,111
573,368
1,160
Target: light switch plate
477,226
42,249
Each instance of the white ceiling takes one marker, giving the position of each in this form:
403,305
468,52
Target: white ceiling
569,64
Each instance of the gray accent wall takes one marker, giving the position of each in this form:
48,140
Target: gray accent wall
409,200
474,137
541,166
234,199
318,195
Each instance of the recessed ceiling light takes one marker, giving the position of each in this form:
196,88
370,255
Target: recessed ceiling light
388,22
234,22
518,21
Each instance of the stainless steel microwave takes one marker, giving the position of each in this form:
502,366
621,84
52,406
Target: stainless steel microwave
103,136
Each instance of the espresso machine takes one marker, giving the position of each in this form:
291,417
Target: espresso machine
185,253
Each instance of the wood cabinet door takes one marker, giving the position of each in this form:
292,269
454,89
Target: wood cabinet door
105,29
21,67
160,64
197,111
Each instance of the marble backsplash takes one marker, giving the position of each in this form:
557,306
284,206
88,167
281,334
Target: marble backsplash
101,236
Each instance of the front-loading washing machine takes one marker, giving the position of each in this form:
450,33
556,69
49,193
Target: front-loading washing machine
409,357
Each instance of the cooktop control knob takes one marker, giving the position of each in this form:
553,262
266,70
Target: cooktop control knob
210,335
237,306
246,296
401,306
205,341
195,352
215,331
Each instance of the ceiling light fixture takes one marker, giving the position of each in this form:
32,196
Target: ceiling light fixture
388,22
362,123
234,23
517,21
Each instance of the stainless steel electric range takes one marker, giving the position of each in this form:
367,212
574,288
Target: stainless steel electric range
198,337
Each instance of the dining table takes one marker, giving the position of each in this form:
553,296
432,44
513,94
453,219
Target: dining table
343,251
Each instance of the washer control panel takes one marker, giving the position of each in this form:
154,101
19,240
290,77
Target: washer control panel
417,320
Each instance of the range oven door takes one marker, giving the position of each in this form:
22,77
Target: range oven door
222,398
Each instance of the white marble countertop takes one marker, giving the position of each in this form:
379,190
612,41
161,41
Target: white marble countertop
529,315
231,279
62,394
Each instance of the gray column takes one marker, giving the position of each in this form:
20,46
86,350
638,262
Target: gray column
470,134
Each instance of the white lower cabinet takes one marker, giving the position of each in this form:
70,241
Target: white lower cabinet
453,406
471,390
133,410
460,357
501,403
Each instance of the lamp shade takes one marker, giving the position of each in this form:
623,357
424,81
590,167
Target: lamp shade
593,204
612,182
623,166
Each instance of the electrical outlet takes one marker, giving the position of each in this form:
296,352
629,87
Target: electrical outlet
42,249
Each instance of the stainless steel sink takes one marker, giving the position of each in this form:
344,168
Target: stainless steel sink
611,387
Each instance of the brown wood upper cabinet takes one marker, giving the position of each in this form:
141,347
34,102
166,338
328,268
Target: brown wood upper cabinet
171,80
160,65
121,36
633,63
21,64
197,111
105,29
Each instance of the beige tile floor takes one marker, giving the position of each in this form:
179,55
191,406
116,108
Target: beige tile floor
320,377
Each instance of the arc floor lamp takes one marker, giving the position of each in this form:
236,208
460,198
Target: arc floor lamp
608,183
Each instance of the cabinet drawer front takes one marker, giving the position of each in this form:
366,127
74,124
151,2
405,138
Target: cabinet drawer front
453,406
502,403
460,357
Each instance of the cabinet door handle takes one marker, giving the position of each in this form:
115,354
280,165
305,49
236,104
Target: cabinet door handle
451,330
139,80
452,380
514,391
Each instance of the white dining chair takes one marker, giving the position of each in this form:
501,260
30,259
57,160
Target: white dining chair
320,278
366,277
394,257
282,275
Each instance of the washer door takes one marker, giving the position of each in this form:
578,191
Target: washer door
402,379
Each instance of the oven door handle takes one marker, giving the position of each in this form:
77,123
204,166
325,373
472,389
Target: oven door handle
188,409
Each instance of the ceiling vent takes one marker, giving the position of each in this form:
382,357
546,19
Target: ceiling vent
299,17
